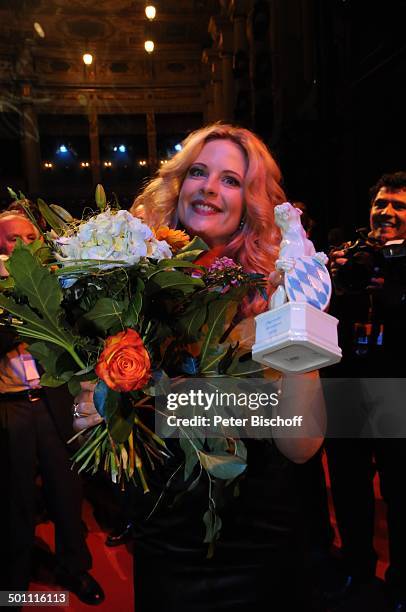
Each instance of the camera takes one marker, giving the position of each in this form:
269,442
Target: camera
368,259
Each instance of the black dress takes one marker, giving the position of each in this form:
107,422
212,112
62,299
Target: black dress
259,559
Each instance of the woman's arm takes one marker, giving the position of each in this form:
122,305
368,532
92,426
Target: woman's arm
302,396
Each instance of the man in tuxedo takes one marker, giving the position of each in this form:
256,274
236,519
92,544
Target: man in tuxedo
35,424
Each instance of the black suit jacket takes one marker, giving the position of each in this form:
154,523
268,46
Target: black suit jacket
59,399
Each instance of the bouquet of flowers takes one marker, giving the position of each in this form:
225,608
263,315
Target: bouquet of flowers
110,300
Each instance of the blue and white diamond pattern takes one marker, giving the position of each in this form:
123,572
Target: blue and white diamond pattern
309,281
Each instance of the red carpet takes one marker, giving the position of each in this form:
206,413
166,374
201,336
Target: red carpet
112,568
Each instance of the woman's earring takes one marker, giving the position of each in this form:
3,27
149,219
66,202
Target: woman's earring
242,223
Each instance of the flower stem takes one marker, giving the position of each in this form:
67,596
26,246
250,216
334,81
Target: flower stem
75,356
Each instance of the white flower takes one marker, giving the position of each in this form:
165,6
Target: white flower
158,249
114,236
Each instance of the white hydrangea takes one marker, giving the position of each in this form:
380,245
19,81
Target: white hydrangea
115,236
158,249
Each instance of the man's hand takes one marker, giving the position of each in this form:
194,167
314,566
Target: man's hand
337,260
84,410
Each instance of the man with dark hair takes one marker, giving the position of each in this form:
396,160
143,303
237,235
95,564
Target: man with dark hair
31,441
353,462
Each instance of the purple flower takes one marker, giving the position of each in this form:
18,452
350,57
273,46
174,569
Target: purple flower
222,263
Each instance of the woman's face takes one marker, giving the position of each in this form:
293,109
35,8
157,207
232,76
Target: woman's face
210,201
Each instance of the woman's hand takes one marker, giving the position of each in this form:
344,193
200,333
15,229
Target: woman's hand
84,411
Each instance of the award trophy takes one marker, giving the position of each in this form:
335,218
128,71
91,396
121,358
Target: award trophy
295,335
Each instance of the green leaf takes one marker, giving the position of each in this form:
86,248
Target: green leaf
197,244
55,361
46,354
62,213
48,380
57,224
120,425
224,466
12,193
133,311
106,313
118,415
191,455
213,527
43,314
217,445
173,263
215,323
74,387
161,384
42,252
174,280
240,449
189,256
6,283
190,323
100,197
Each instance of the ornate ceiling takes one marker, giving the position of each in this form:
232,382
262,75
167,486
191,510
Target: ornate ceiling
114,31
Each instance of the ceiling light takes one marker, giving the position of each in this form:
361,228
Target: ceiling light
87,58
39,30
149,46
150,12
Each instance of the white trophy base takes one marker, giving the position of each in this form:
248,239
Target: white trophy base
296,338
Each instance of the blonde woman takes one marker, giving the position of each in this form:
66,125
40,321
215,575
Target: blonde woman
223,186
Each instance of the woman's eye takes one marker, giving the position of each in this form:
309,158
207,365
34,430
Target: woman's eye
196,171
231,180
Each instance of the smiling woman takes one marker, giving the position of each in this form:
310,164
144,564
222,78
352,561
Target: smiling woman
223,186
211,198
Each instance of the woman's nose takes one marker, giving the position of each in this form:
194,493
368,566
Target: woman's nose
211,185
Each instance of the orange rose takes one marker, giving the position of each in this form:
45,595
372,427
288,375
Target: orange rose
177,239
124,365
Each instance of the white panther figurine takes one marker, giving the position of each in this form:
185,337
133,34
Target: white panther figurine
294,244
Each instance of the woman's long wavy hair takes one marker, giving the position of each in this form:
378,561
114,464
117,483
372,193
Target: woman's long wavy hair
255,244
